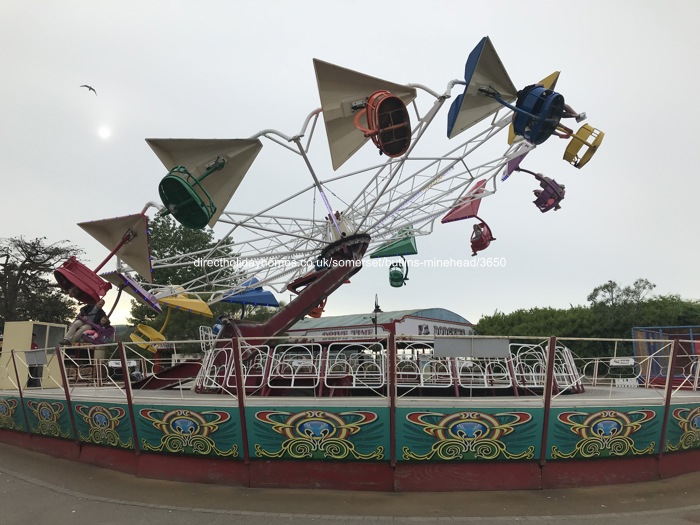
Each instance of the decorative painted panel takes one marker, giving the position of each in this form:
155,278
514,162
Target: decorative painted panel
49,418
11,417
468,434
603,432
197,431
362,434
683,430
312,433
104,424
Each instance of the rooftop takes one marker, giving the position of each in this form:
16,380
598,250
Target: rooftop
436,314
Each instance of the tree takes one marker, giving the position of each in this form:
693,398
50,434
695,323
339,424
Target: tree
613,312
611,294
27,290
169,239
573,322
617,309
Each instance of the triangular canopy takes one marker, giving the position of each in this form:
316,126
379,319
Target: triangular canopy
197,154
513,164
110,232
250,284
339,88
405,246
483,69
133,288
470,206
550,81
254,295
258,297
187,304
515,157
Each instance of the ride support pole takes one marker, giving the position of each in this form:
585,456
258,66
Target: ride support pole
673,358
548,388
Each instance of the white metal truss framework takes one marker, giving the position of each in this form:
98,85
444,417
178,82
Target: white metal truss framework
396,198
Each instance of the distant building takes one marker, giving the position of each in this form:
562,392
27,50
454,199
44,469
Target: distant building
426,322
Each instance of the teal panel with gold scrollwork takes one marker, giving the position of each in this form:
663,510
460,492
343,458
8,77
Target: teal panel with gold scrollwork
683,429
473,434
338,433
11,416
195,431
104,424
595,432
49,417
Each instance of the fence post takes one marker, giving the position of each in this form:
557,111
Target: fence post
19,391
548,387
129,397
64,380
391,388
240,394
669,392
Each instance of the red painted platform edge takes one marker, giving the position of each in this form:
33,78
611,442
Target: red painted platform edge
335,475
115,459
598,472
679,463
15,438
452,477
193,469
58,448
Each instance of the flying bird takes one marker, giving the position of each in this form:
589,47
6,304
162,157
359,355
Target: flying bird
90,88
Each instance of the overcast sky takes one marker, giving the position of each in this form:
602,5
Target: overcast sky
228,69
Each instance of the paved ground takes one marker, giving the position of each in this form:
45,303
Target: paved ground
35,488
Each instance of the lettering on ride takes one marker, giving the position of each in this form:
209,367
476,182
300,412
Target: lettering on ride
448,330
335,332
352,331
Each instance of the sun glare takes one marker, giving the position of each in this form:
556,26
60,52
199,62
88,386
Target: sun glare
104,132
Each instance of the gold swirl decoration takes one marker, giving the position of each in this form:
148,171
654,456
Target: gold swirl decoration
7,412
468,435
47,416
605,433
103,423
317,434
689,421
186,431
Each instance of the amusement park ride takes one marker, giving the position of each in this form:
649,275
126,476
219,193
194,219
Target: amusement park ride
385,410
363,408
378,210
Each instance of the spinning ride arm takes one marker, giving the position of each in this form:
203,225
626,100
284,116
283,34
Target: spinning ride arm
344,260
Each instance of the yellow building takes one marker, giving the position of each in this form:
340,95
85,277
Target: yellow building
35,367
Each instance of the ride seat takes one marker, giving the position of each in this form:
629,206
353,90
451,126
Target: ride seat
80,282
590,138
396,275
186,199
388,123
145,335
317,312
481,242
546,106
549,197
